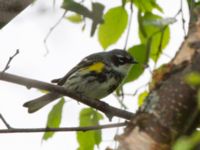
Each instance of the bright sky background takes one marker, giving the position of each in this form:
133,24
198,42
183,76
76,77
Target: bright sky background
67,46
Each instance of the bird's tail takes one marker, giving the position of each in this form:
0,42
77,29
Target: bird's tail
36,104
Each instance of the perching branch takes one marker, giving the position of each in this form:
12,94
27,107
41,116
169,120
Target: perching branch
67,129
97,104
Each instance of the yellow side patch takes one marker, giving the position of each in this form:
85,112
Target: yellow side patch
97,67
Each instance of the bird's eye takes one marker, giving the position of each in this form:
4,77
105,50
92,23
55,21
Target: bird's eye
118,60
121,60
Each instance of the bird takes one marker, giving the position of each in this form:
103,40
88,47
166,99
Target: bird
95,76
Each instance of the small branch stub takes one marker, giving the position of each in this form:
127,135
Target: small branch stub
9,61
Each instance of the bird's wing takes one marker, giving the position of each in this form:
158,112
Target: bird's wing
90,62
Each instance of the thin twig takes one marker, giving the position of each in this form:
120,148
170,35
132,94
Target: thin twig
5,122
183,19
51,30
9,60
120,101
66,129
116,133
97,104
160,45
180,11
148,50
139,88
129,26
166,55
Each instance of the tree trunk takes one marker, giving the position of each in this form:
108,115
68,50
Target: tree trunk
170,110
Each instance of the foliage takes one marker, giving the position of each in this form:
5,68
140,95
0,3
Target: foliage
76,18
157,34
139,52
54,118
95,14
115,22
188,143
87,140
147,6
193,78
142,97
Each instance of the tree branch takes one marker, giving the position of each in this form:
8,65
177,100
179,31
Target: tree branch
99,105
69,129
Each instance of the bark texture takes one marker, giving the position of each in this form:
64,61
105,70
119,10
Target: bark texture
170,109
10,8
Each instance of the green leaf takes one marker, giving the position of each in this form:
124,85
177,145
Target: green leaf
193,78
187,143
142,97
139,53
96,15
88,139
54,118
147,5
70,5
123,2
156,6
97,11
115,22
75,18
159,35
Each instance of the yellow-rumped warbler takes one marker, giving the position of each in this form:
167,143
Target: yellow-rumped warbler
96,76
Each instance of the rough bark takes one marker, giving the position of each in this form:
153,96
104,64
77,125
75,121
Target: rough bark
10,8
170,109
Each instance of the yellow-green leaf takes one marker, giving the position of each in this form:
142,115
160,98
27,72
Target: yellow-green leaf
142,97
75,18
193,78
115,22
139,53
147,5
187,143
54,118
159,35
87,140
